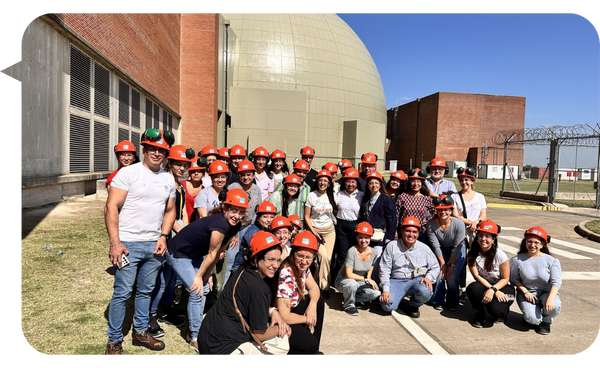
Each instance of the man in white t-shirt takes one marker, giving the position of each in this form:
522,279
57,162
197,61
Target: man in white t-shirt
139,213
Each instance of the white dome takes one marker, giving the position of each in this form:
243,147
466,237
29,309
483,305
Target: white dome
317,54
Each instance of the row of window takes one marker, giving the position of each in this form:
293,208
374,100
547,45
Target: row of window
90,111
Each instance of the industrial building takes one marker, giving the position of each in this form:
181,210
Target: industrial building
282,81
455,126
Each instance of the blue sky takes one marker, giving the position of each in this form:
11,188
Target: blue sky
553,60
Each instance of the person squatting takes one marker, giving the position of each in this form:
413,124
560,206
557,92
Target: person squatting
244,253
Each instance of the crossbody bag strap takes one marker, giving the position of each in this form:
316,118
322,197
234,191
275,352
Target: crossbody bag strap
462,201
244,324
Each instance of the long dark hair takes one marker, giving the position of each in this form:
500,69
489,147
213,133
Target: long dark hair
285,201
296,272
424,189
284,168
523,246
367,196
330,195
489,256
401,189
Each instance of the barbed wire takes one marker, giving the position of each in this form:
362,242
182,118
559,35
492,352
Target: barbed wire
573,135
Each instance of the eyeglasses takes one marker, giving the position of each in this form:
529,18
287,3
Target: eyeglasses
184,165
485,235
468,171
271,261
235,212
151,149
435,169
304,258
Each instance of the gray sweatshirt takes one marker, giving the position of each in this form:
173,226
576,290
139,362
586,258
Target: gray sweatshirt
395,265
453,237
536,274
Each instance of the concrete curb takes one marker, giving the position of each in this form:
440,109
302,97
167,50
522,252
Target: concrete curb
586,233
525,207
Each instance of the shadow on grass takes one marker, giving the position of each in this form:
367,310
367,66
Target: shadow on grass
31,217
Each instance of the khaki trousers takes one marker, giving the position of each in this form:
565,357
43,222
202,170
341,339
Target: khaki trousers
325,253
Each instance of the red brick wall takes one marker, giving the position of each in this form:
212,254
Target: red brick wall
199,79
146,46
449,124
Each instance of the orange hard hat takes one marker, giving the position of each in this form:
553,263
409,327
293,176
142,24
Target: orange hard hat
399,175
180,153
324,173
279,222
218,167
344,164
443,201
467,172
307,151
266,207
237,197
376,175
277,154
301,165
437,162
246,165
415,174
351,173
261,152
224,152
331,167
157,138
292,179
295,220
364,228
237,150
196,165
488,226
209,150
411,221
539,232
125,146
262,240
306,239
369,158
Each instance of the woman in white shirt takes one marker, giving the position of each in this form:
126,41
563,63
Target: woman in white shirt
319,216
474,209
490,268
264,179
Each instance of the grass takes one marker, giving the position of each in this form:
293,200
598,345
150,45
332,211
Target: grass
593,226
65,297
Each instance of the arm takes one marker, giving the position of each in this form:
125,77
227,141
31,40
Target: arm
210,260
309,225
167,225
202,212
116,198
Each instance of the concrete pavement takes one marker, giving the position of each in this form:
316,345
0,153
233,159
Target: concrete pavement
449,333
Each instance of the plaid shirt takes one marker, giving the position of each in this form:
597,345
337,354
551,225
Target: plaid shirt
419,206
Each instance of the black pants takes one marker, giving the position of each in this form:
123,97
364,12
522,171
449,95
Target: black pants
301,340
497,309
344,240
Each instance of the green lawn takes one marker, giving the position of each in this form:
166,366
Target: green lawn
593,226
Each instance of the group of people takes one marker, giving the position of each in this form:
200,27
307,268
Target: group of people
258,246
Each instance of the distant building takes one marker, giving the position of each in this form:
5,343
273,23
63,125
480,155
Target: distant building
456,127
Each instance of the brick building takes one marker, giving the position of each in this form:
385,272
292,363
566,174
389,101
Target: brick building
454,126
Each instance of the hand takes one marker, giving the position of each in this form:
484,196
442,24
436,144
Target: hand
501,296
384,297
373,284
449,272
115,253
443,271
531,298
473,226
233,243
427,282
161,246
311,316
549,304
488,296
210,282
320,238
284,328
197,285
221,255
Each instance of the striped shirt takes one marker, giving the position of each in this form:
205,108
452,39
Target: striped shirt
304,190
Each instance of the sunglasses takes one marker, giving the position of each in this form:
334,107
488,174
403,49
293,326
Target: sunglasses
468,171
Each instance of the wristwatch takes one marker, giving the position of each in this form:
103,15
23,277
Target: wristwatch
366,278
448,264
165,235
493,288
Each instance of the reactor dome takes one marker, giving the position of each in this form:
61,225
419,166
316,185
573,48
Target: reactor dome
303,79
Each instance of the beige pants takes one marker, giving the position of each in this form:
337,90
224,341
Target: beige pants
325,253
252,348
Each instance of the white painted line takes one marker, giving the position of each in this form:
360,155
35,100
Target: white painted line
581,276
511,228
421,336
507,248
554,251
582,248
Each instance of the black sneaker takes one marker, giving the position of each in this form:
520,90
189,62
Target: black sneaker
171,319
476,323
543,328
177,293
351,311
154,328
363,305
437,306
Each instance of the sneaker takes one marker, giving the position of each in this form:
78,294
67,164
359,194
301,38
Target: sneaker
193,343
169,318
543,328
437,306
177,293
114,348
146,340
154,328
476,323
363,305
351,311
452,308
412,311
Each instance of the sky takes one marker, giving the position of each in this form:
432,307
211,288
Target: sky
553,60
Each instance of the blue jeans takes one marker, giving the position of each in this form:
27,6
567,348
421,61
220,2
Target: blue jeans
163,291
144,264
399,288
453,283
186,269
536,313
